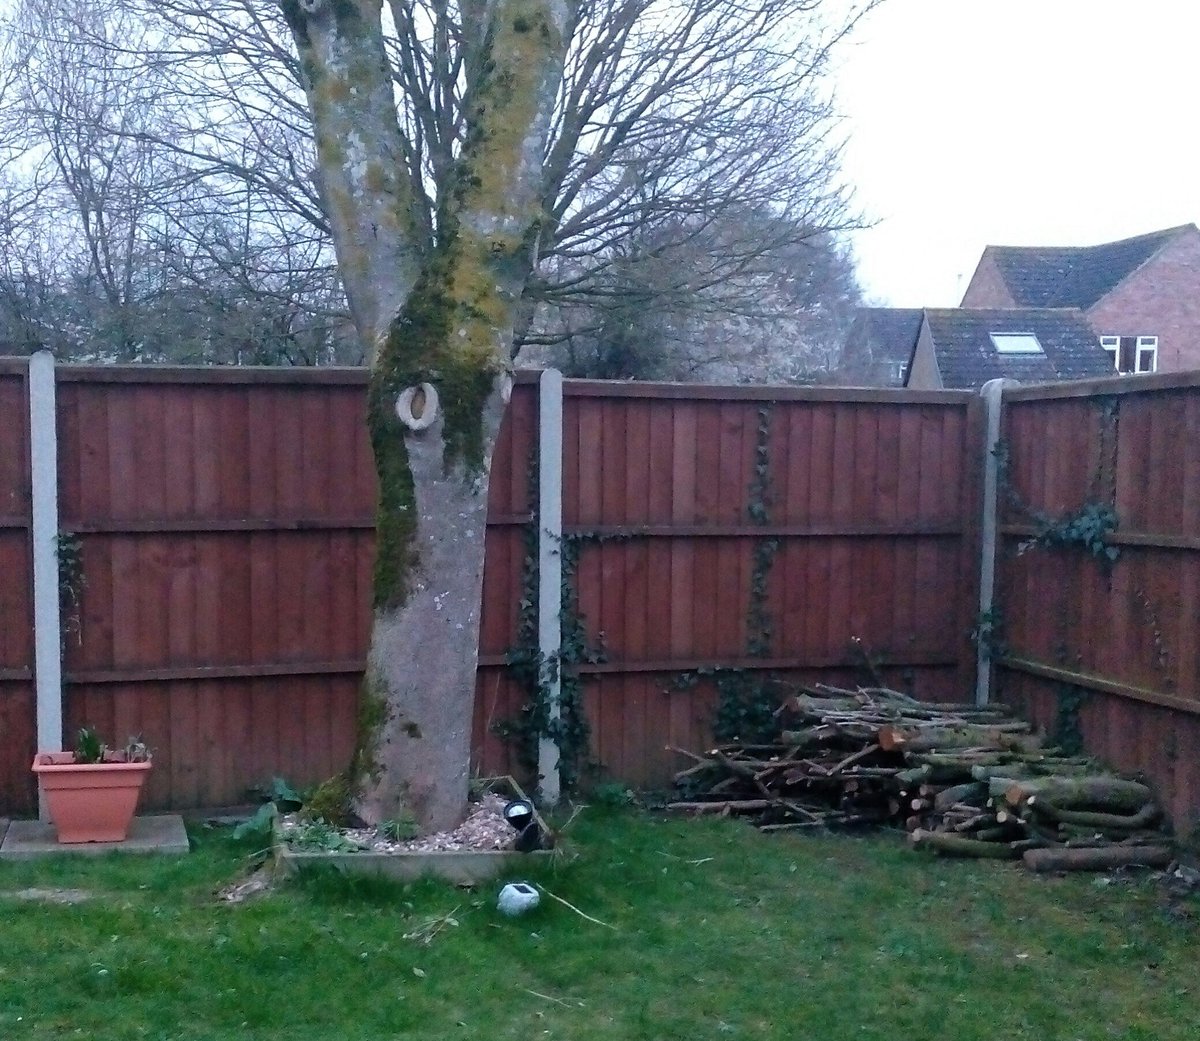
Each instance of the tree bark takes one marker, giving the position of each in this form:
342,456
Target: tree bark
1106,794
442,319
419,690
1110,822
959,846
1105,858
360,174
1009,737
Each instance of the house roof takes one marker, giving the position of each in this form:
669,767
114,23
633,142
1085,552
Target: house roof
1074,276
967,357
879,339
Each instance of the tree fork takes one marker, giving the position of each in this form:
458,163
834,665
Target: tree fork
444,323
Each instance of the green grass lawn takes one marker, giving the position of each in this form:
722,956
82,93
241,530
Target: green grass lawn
720,932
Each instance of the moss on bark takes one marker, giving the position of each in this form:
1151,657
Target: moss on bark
396,510
372,714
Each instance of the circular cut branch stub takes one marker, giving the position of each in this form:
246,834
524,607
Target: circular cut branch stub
417,406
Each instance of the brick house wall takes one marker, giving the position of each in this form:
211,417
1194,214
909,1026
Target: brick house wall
987,288
1161,298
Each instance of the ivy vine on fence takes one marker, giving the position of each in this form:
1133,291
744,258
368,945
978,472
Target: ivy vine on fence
1089,527
69,550
536,672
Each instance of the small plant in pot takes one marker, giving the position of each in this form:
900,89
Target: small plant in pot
91,793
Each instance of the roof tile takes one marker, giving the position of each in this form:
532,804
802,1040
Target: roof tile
967,358
1074,276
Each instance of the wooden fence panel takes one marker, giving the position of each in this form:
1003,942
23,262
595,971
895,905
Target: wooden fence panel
226,533
227,530
18,716
511,501
852,514
225,518
1108,650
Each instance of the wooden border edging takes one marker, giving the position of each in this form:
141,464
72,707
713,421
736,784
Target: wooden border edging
1099,683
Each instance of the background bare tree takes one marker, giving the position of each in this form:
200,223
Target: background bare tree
677,315
674,119
116,245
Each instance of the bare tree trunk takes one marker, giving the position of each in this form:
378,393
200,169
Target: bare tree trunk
440,346
419,689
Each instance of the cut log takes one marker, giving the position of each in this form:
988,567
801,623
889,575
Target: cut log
1110,794
1035,767
1016,789
1006,736
913,777
972,792
998,834
698,759
1105,858
693,771
1143,818
974,822
959,846
856,757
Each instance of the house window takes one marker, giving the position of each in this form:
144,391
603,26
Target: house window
1016,343
1112,344
1147,354
1132,354
896,371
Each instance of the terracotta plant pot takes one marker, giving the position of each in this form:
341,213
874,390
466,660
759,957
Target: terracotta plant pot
89,802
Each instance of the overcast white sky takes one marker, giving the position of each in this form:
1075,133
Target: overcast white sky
1015,122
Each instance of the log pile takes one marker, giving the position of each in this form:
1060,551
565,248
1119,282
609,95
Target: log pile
962,780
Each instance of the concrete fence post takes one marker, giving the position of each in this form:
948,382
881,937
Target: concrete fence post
550,533
47,647
992,393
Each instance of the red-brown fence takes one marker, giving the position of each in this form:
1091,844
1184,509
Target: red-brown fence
1108,651
224,519
868,499
225,524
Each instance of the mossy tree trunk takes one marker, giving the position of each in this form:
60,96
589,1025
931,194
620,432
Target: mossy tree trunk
436,314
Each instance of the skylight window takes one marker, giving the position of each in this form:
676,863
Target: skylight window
1016,343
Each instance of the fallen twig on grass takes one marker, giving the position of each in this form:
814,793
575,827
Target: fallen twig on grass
581,914
557,1001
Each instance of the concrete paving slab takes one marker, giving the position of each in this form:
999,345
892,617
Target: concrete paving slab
163,834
